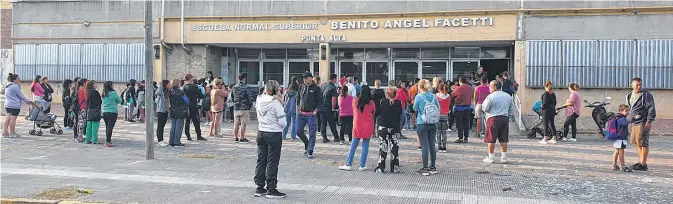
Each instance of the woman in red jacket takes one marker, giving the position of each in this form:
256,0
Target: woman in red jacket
363,116
403,96
444,100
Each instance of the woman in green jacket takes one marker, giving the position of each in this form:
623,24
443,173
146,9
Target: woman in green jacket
111,101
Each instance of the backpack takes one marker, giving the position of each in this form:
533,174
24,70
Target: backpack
430,112
612,129
537,107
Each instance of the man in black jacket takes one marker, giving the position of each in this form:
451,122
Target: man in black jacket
326,110
192,92
308,101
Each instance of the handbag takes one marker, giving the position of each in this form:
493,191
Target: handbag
92,114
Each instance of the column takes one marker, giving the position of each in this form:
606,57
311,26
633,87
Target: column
324,57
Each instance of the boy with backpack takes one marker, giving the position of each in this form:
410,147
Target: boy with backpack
617,130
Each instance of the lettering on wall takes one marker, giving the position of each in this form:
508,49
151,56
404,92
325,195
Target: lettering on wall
350,25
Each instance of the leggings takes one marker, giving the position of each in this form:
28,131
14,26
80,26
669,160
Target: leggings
110,121
346,127
441,132
548,122
162,118
571,121
67,121
388,142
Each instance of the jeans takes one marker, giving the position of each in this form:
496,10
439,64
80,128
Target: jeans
291,126
176,131
194,118
570,121
268,157
452,119
110,120
442,126
346,127
327,117
302,121
363,156
463,123
92,131
388,142
162,118
426,133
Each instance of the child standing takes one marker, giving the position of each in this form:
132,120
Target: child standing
141,103
622,135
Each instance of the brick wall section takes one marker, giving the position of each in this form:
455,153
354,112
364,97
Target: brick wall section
6,29
179,63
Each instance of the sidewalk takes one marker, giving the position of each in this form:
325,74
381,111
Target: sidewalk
219,171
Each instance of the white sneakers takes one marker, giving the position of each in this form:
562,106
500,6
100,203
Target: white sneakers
490,160
543,141
162,143
450,130
572,140
349,168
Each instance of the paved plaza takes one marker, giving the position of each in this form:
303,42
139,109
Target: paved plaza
219,171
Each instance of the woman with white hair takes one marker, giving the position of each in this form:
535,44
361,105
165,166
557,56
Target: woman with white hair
271,118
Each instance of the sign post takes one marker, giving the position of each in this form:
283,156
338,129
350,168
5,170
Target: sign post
149,78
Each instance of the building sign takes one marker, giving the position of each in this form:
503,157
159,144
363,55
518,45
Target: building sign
348,25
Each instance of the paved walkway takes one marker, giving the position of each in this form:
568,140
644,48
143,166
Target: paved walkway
565,173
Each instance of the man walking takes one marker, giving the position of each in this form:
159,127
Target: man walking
642,116
242,97
326,110
308,101
463,94
193,93
498,107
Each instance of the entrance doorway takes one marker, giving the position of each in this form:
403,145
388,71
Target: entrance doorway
406,71
463,68
494,67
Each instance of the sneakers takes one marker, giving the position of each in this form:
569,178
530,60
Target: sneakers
13,134
503,160
419,148
67,128
236,140
572,140
273,193
626,169
107,144
341,142
244,141
363,168
442,149
423,171
450,130
201,138
640,167
310,156
403,137
336,140
345,168
458,141
378,170
395,169
325,141
261,191
432,170
615,168
543,141
162,143
488,160
564,139
551,141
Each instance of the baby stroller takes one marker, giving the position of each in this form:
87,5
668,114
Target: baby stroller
535,130
43,120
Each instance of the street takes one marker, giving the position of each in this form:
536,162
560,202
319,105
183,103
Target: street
219,171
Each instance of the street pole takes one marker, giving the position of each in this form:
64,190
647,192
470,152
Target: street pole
149,78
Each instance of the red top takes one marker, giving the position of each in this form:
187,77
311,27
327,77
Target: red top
81,99
444,104
403,97
363,121
463,95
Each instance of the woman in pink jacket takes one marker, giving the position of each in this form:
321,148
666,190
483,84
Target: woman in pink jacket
345,114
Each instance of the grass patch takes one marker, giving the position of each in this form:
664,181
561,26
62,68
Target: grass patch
60,193
205,156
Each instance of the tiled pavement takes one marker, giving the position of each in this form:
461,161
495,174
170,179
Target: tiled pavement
564,173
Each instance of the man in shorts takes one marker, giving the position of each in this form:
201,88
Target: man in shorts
642,116
480,93
242,97
497,106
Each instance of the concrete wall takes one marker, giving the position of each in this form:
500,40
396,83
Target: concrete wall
5,28
179,62
593,95
598,27
213,60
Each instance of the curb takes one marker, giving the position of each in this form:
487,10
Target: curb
38,201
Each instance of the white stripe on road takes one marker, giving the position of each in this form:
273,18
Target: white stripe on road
464,198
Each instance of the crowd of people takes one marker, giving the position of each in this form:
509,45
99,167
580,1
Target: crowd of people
363,113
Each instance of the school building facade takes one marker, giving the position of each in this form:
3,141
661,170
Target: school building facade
600,45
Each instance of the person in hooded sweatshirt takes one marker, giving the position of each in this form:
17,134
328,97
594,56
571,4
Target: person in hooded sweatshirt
271,119
13,101
290,99
444,100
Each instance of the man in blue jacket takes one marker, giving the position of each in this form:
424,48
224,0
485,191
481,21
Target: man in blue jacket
642,116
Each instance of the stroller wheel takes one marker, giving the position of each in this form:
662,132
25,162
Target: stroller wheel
60,132
530,134
52,131
31,132
39,133
559,134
